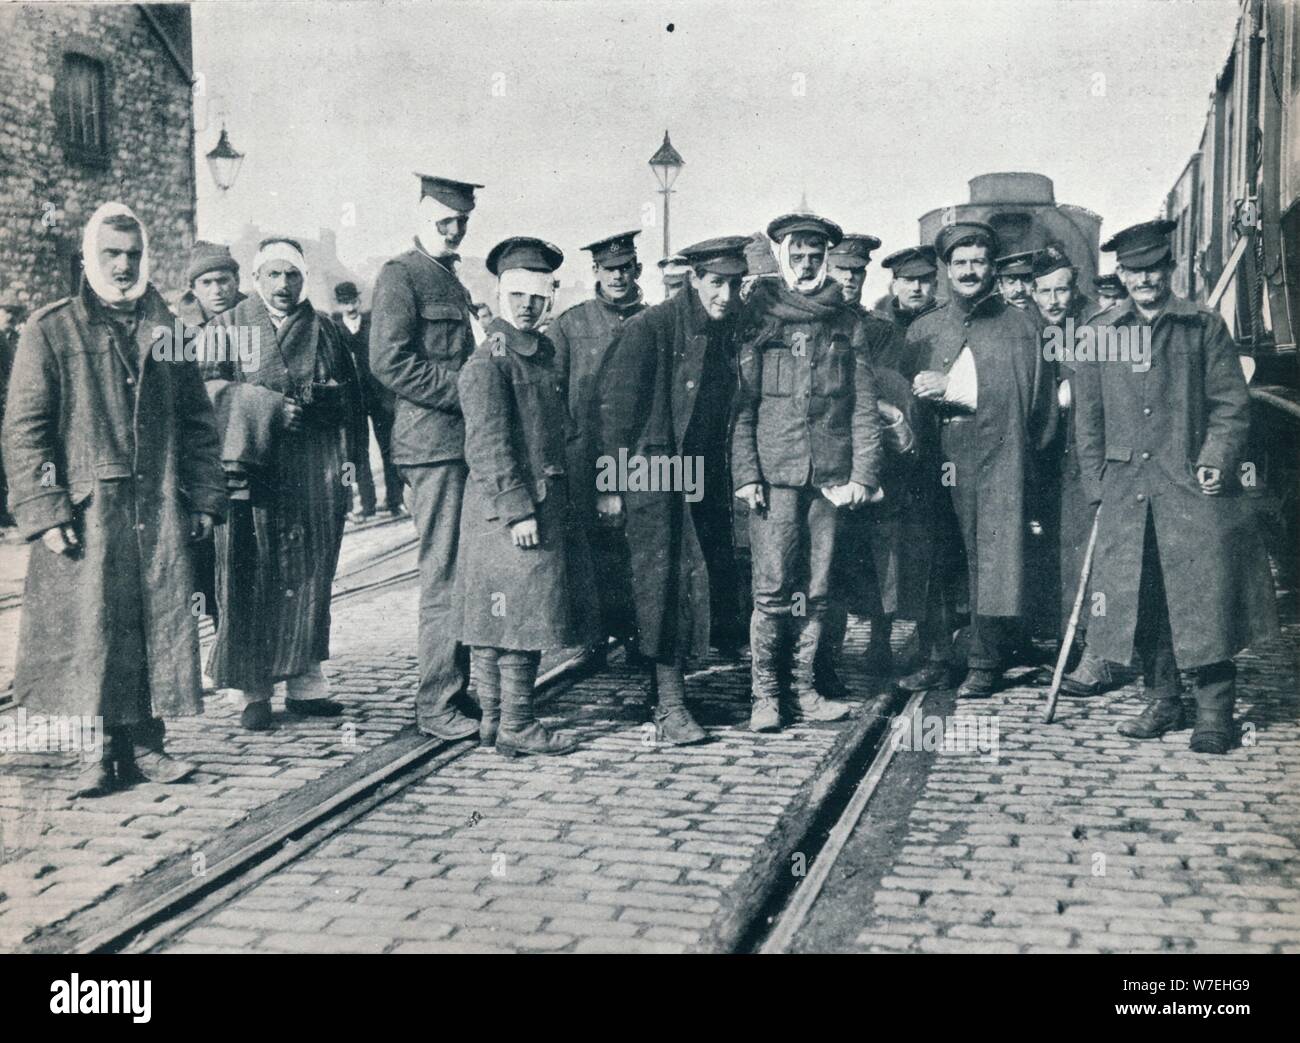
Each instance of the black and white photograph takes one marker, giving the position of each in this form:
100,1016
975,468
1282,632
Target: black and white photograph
611,477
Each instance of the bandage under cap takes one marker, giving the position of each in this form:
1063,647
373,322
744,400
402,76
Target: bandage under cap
524,280
279,250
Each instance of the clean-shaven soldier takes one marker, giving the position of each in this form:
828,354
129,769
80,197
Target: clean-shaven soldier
807,445
1181,567
666,392
980,374
420,335
582,335
911,287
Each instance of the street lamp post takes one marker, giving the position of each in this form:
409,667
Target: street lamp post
667,163
224,161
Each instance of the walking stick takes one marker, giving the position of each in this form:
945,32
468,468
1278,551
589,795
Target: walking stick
1073,625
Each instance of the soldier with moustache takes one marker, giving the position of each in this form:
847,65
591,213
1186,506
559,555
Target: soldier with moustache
421,334
978,371
582,335
865,573
1110,291
1178,560
1015,280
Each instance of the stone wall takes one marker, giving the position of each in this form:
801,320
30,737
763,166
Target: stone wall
46,196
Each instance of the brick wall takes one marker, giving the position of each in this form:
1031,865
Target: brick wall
46,197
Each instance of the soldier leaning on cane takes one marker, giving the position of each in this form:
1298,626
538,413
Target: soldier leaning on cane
1178,561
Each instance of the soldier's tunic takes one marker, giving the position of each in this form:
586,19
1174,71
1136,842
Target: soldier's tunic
102,435
420,337
582,336
1141,437
277,554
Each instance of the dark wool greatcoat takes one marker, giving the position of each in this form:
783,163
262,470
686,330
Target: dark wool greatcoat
1141,436
1015,417
101,434
277,555
645,397
516,433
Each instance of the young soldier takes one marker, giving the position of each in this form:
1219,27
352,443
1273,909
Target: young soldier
807,444
1178,560
911,290
525,582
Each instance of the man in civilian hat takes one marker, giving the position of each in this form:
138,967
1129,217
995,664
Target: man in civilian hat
665,393
977,369
213,278
11,312
354,328
806,446
1178,560
290,421
582,335
675,273
912,287
112,455
422,331
864,574
1015,279
1110,291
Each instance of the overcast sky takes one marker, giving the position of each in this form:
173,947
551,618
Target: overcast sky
879,111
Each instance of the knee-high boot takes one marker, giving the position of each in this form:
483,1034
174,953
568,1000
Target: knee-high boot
764,640
811,705
487,679
520,732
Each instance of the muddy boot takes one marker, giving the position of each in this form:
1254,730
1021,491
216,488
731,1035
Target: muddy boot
826,672
811,706
1216,693
520,734
487,679
674,725
97,776
1164,713
764,639
1090,677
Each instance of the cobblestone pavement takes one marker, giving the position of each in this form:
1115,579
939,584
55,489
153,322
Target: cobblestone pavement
1075,838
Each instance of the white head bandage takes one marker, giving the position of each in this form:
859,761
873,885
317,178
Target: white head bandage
524,280
787,270
279,250
431,211
105,288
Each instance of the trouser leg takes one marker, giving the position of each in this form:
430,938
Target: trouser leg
383,424
487,682
992,640
365,481
436,492
711,516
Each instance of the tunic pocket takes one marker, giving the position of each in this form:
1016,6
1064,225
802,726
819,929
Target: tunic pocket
831,376
778,372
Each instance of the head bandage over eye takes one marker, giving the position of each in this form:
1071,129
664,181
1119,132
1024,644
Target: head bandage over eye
523,280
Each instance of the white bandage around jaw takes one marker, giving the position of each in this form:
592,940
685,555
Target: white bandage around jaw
812,285
431,211
524,280
104,287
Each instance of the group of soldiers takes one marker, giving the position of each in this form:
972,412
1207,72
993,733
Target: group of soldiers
924,460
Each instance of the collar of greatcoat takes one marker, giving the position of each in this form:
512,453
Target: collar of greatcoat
1176,308
521,342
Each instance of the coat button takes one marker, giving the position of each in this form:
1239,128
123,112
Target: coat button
288,593
1146,456
690,384
1141,497
130,380
1146,410
139,527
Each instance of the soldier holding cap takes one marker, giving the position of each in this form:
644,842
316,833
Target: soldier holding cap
582,335
524,581
979,372
1015,279
911,290
807,444
1181,566
666,392
421,335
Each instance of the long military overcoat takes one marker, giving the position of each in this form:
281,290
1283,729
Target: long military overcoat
119,441
1141,435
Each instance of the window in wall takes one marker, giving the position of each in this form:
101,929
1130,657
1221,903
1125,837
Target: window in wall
81,101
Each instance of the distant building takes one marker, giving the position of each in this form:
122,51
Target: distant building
95,105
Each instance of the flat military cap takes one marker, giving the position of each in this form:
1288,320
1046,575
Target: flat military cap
1048,260
617,249
346,291
914,262
854,251
522,251
670,264
788,224
458,195
963,233
722,256
1109,284
1141,246
1015,264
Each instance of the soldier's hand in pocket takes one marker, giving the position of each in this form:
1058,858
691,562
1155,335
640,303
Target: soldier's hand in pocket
524,533
752,494
62,539
609,509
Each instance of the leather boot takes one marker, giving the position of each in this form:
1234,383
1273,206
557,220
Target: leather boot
826,669
1163,713
520,733
97,777
811,706
879,661
674,725
1090,677
487,680
934,674
764,639
1216,694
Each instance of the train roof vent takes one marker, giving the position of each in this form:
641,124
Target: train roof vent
1012,187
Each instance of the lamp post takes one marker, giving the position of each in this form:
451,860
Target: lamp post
224,161
667,163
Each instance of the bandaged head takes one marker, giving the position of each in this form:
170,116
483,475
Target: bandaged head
524,265
104,284
275,293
